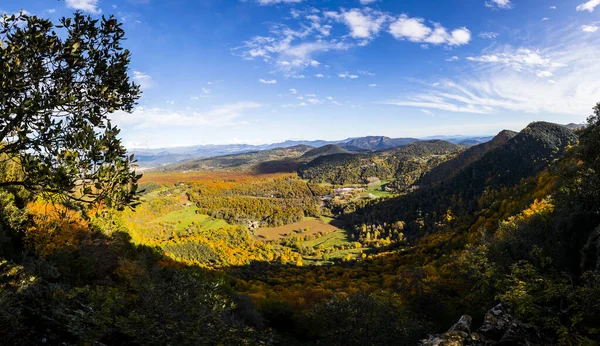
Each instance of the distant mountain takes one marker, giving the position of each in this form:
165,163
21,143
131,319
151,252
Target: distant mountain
462,140
152,158
573,126
376,143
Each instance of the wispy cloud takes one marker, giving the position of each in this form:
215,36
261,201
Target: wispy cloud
276,2
143,80
270,81
218,116
488,35
564,79
347,75
90,6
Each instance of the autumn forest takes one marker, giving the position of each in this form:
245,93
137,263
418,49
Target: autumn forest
425,243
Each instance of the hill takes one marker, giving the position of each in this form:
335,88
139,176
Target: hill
240,161
153,158
523,156
405,164
376,143
329,149
447,169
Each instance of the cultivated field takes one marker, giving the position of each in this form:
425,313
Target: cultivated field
313,225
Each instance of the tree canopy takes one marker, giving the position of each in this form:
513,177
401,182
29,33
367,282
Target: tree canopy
59,84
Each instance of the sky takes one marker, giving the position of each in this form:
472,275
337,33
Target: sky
264,71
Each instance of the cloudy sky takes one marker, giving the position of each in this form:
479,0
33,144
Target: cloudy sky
261,71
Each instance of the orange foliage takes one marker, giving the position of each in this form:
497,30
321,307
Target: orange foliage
55,228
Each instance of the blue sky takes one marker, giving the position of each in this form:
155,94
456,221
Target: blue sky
261,71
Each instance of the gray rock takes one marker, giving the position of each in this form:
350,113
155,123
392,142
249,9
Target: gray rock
499,328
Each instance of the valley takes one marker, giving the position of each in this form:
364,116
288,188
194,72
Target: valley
120,225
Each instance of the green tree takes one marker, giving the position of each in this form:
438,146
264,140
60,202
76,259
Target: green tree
58,86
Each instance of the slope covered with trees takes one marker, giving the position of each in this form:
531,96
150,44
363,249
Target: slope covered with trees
405,164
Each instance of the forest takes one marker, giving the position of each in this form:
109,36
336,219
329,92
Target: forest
390,247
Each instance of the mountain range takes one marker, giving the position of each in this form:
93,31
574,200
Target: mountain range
152,158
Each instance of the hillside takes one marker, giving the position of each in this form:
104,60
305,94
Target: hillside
523,156
449,168
376,143
239,161
153,158
330,149
404,165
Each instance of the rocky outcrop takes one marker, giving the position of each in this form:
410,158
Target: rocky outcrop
499,328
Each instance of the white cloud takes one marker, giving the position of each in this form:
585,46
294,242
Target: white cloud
426,111
143,80
293,91
319,75
314,101
414,30
52,10
90,6
217,116
347,75
453,58
553,7
372,85
363,23
589,28
367,2
504,4
545,74
271,81
588,6
545,19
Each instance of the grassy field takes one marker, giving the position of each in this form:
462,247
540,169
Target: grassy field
313,224
376,191
336,238
185,217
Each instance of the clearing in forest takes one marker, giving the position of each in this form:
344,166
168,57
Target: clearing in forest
314,226
184,218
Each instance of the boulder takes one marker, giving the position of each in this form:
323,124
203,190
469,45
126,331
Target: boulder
499,328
